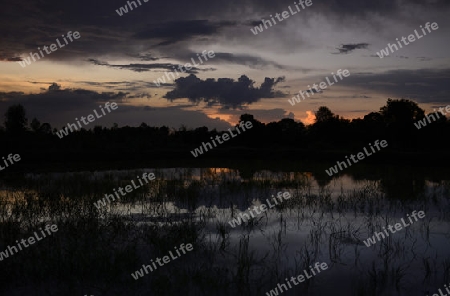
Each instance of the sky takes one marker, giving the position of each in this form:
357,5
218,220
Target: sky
117,58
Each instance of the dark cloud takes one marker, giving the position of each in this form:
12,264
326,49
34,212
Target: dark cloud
251,61
28,24
59,106
347,48
423,85
148,67
97,62
386,8
314,91
51,104
221,58
144,57
424,59
14,59
144,33
223,91
263,115
176,31
140,96
134,86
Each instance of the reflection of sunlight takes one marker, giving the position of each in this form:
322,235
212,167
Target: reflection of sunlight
219,170
11,196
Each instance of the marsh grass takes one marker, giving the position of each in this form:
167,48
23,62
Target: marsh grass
96,250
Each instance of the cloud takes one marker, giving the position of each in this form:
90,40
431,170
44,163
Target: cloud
148,67
176,31
347,48
28,24
59,106
310,118
251,61
422,85
263,115
224,91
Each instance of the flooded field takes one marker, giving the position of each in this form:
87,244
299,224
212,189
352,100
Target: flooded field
251,232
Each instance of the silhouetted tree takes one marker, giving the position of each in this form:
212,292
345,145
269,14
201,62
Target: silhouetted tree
401,111
16,121
399,116
255,136
324,114
46,128
35,125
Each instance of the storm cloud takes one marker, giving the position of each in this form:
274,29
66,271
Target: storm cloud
223,91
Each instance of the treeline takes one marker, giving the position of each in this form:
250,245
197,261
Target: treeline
328,135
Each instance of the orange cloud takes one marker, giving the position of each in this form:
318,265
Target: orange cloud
310,118
224,117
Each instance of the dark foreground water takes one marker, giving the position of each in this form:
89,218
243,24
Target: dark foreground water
98,248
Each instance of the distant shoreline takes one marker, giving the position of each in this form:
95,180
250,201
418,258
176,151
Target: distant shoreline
283,159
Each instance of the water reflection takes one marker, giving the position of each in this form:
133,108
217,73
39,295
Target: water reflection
325,220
